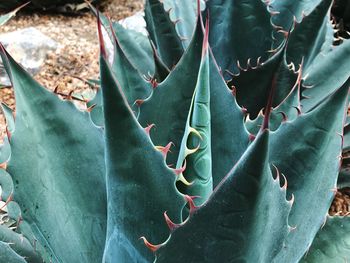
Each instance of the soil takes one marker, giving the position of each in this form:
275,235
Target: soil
77,58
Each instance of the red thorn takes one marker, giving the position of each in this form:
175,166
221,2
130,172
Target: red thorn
277,172
89,109
166,149
55,90
148,128
284,116
181,169
8,133
69,96
251,137
172,226
139,102
233,90
291,201
298,109
154,83
244,111
152,247
190,199
100,36
269,105
285,185
9,199
206,36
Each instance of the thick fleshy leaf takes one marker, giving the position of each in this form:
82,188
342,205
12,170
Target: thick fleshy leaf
195,151
308,36
135,87
287,110
332,243
184,12
240,30
229,136
136,46
60,183
6,17
7,254
169,104
307,151
253,84
321,79
163,33
140,187
244,220
290,9
19,244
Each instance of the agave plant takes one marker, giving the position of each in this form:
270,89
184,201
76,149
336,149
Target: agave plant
247,106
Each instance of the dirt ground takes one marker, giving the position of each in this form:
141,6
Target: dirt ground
78,52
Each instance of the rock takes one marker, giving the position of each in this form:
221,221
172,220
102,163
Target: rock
135,22
29,47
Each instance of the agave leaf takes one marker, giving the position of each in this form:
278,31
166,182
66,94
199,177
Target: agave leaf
240,30
305,42
7,254
253,84
246,217
6,17
184,12
287,110
169,112
290,9
163,33
135,87
19,244
307,152
322,80
195,150
331,244
57,187
140,187
135,45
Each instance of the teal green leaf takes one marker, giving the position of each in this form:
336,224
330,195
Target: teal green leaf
135,45
19,244
332,243
290,9
8,255
163,33
321,80
245,220
240,30
134,86
60,186
253,84
6,17
169,112
307,152
308,36
229,137
140,187
137,49
195,151
184,12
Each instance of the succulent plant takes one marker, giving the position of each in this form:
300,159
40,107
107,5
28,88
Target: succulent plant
248,104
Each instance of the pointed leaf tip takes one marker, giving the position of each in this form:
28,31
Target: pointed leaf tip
100,37
150,246
172,226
